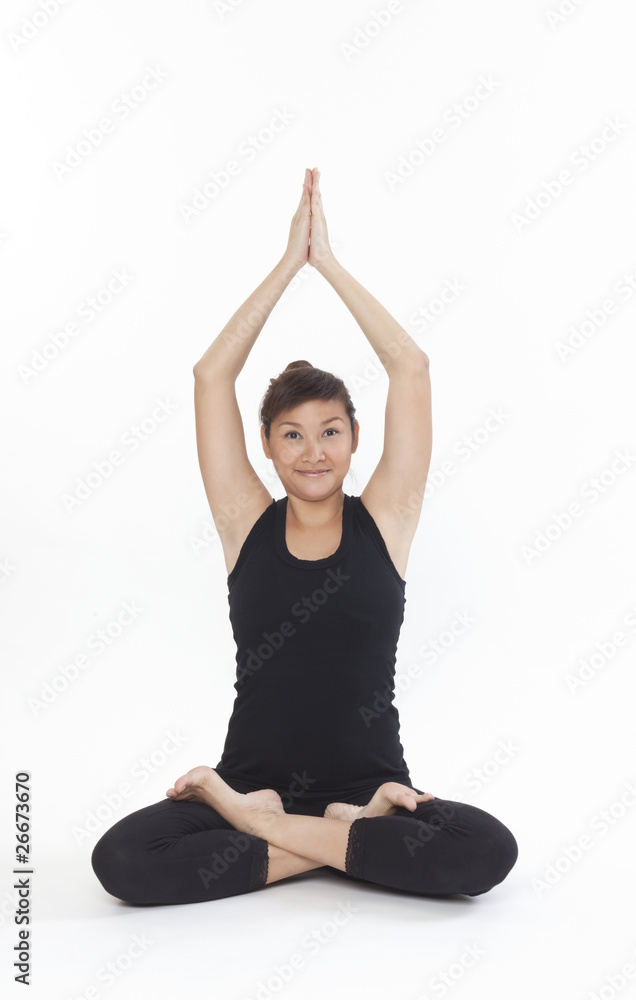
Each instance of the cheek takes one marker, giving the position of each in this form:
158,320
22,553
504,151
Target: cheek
284,455
343,448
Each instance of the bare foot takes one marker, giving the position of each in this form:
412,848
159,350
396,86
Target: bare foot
385,802
342,810
250,813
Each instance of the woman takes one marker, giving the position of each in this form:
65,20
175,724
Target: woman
312,772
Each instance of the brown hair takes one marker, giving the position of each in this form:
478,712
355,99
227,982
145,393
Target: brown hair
299,383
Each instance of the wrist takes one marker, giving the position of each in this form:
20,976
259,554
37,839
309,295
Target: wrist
327,265
289,266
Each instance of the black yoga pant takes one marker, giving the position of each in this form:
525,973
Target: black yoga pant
185,852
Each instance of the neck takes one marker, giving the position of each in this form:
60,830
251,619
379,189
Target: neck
314,513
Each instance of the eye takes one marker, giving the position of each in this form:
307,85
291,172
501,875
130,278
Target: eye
295,435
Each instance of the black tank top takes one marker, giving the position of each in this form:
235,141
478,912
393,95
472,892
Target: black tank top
316,647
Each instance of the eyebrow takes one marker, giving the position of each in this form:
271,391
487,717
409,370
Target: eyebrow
292,423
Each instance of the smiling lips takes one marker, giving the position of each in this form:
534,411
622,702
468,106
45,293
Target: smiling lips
315,473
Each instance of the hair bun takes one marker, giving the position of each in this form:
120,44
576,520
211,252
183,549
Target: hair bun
298,364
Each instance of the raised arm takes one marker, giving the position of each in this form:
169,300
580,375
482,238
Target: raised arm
394,493
236,495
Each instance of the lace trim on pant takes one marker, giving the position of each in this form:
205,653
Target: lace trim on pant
353,858
260,863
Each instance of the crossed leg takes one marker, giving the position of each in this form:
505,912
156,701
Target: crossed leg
206,841
296,843
401,838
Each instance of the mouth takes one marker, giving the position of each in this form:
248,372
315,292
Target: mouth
314,473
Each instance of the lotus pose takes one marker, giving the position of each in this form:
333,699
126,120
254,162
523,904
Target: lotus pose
312,773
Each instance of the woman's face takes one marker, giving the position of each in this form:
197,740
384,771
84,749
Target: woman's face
311,447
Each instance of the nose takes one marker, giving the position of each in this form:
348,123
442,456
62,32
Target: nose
314,452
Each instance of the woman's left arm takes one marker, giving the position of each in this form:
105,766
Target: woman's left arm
395,491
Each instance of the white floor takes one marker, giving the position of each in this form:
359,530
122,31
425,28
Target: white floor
283,940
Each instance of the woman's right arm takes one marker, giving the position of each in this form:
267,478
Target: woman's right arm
236,495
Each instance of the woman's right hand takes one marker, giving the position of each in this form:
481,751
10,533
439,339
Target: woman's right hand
297,251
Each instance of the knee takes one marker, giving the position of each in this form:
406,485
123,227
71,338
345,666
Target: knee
497,856
115,863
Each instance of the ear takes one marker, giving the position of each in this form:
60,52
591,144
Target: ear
354,442
265,443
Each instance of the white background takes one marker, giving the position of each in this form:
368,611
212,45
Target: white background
533,259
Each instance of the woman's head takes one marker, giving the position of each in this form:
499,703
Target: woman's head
308,429
299,383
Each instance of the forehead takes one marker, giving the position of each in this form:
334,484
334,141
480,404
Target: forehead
313,411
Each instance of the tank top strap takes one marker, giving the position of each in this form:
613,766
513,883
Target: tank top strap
367,524
264,522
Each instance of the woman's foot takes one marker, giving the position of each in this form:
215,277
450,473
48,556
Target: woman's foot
385,802
250,813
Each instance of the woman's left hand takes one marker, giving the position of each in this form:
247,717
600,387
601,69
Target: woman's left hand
320,251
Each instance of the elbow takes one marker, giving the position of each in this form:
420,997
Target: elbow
200,371
420,361
423,358
408,364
